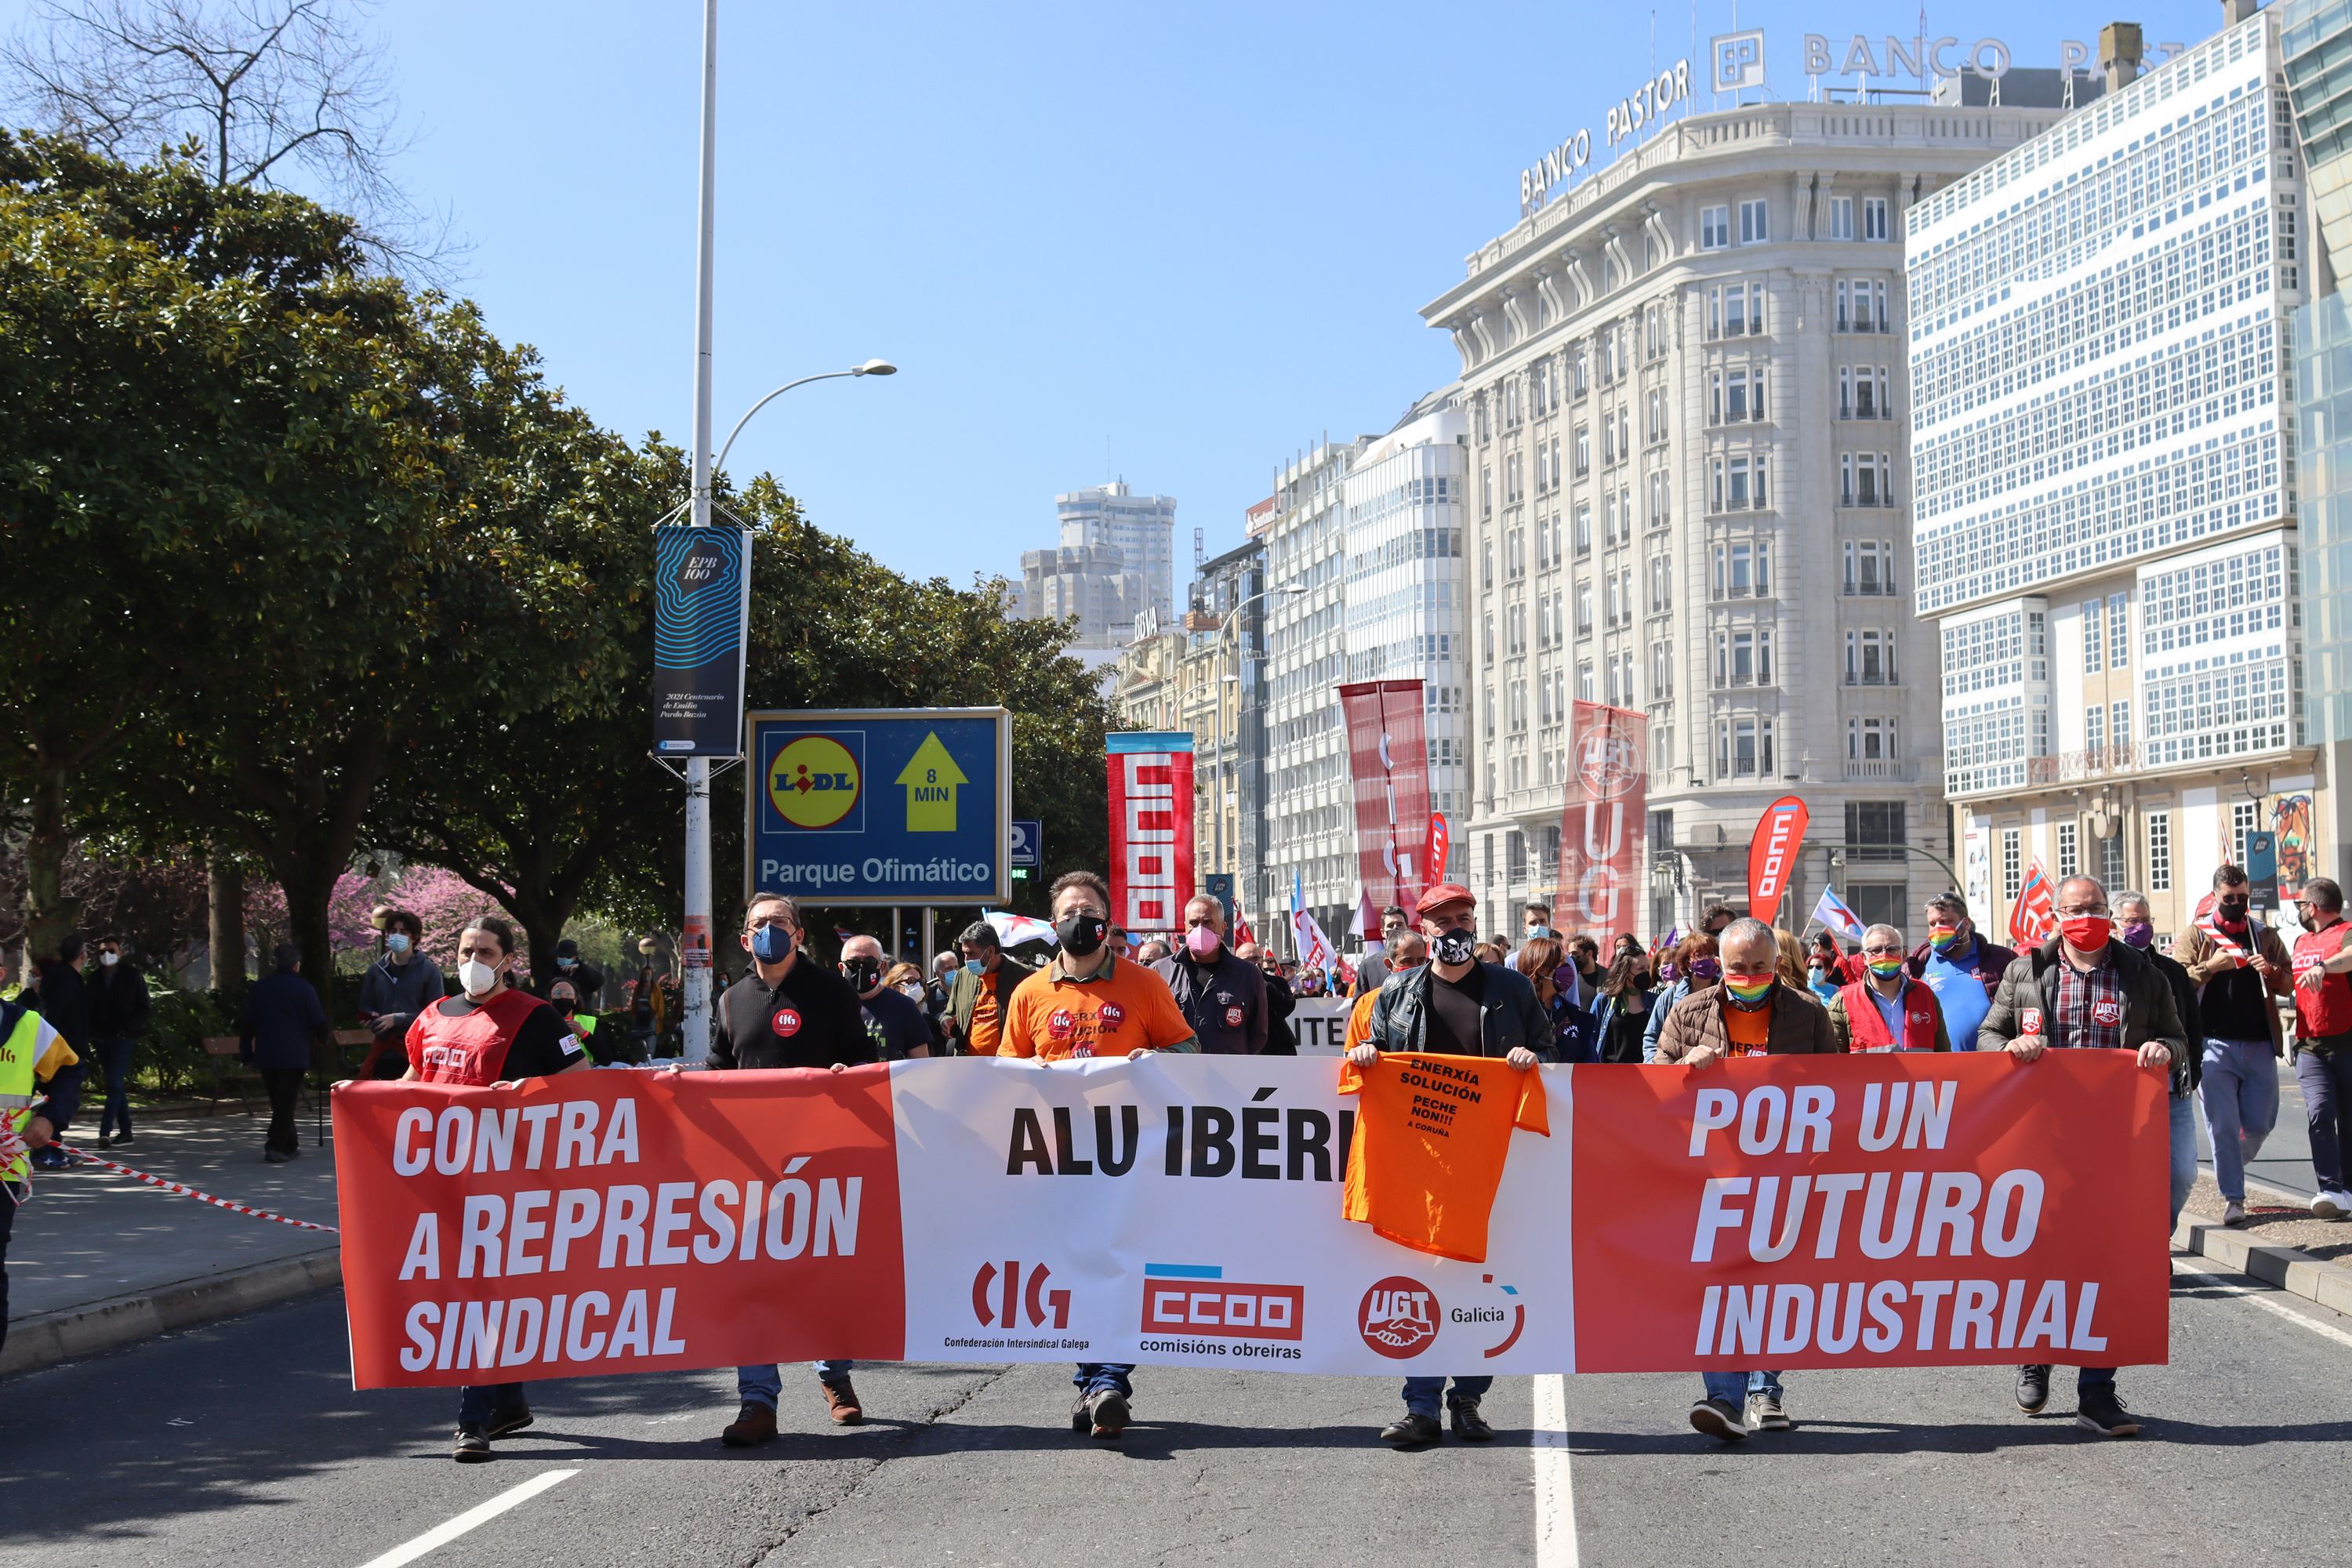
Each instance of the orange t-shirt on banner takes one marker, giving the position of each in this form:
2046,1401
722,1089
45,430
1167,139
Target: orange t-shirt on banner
1430,1145
1751,1033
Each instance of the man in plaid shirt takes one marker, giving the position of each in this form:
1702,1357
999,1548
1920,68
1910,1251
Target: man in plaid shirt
2084,990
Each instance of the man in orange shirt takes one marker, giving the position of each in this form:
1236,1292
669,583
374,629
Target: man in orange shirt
1086,1003
973,1017
1407,950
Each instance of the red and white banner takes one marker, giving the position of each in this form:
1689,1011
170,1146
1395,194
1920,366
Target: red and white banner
1773,855
2034,913
1388,760
1603,825
1791,1212
1150,829
1441,846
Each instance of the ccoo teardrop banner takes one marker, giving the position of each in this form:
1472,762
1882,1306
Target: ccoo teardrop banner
1773,855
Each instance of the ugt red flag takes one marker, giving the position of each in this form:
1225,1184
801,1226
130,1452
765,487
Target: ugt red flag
1150,829
1388,761
1602,824
1773,855
2034,913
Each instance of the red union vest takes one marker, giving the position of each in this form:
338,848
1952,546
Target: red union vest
471,1049
1867,1024
2330,1011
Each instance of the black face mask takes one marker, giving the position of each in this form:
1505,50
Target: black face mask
1080,933
1453,947
2234,910
863,974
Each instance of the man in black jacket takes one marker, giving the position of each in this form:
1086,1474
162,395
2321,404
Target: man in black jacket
2084,990
117,1011
587,980
1281,1039
2137,926
1454,1005
63,1000
1222,997
790,1011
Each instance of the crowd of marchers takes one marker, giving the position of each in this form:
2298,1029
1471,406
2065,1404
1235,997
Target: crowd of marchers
2215,1015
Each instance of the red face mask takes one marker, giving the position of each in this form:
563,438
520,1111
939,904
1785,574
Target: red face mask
2085,934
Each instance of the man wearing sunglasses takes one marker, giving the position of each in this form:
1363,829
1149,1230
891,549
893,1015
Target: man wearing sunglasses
1886,1010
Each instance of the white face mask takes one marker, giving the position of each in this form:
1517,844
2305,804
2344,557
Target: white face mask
911,989
110,959
477,977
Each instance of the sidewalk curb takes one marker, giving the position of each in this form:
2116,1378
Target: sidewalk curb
2297,1273
51,1337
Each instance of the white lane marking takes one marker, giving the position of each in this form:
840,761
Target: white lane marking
1555,1493
2262,1300
442,1534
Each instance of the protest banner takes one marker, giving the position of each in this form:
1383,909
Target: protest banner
1846,1211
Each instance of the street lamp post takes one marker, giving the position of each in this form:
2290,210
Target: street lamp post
1218,694
695,1019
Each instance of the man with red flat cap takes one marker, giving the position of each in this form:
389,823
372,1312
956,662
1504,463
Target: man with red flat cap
1454,1005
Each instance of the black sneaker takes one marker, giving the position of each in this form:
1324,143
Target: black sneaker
122,1140
1765,1414
1107,1414
505,1421
473,1445
1468,1423
2032,1389
1082,1420
1414,1430
274,1156
2098,1410
1719,1418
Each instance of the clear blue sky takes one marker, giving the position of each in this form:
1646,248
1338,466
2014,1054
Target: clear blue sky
1170,242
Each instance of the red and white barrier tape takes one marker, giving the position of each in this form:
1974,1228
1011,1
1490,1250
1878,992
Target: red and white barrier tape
184,1190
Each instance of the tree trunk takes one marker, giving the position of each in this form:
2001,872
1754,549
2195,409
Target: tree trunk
224,880
49,914
310,895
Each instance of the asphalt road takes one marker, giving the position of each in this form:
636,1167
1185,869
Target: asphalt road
241,1443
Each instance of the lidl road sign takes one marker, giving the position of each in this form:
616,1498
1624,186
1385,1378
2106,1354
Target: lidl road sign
889,806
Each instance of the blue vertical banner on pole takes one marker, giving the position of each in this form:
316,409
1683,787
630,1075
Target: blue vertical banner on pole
702,608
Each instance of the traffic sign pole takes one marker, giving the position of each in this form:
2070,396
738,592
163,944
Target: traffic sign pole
695,1013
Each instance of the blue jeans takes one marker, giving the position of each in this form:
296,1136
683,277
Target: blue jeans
2327,1080
2184,1151
1094,1376
763,1384
114,1057
477,1402
1423,1395
1733,1387
2242,1104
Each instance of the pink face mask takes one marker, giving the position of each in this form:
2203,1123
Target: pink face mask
1202,942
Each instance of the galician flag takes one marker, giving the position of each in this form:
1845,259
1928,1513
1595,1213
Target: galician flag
1831,912
1013,929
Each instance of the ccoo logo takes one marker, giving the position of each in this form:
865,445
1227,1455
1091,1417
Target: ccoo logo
1398,1316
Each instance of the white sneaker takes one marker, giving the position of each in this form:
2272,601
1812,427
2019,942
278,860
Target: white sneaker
2234,1213
2331,1204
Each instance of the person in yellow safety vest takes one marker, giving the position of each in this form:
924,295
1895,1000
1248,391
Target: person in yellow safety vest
31,1052
1405,950
565,999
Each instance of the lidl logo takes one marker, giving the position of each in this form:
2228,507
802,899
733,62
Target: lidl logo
814,782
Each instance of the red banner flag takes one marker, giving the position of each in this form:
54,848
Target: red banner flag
1603,825
1440,845
617,1222
1150,829
1773,855
2034,913
1388,761
1925,1210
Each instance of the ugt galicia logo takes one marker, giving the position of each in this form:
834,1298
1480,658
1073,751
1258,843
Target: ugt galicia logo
1398,1317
